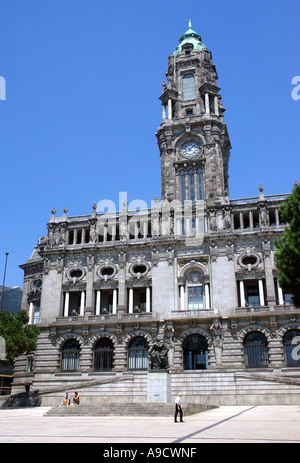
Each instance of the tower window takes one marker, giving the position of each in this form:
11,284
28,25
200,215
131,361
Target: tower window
200,184
189,87
182,186
191,185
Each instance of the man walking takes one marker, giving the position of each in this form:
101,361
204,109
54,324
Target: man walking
178,408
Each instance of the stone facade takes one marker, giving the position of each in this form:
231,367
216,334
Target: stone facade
196,270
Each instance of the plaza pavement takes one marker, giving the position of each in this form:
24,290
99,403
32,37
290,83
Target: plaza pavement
240,424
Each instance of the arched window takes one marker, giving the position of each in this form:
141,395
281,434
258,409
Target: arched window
70,355
182,186
256,350
191,185
189,87
291,348
138,354
195,352
195,290
103,355
200,184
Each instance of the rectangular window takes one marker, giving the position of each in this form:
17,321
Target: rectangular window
36,317
29,365
36,312
74,303
252,295
288,299
189,87
195,297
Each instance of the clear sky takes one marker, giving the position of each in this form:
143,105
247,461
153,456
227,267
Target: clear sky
83,78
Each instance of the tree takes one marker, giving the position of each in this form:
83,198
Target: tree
288,246
19,337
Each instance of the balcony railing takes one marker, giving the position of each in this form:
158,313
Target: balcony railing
165,221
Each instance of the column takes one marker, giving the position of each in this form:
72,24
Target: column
277,218
67,300
242,294
145,225
196,185
164,113
187,189
89,309
83,235
82,301
98,302
130,305
136,230
261,293
170,109
114,307
207,110
182,297
30,312
75,236
280,294
251,219
113,232
216,104
105,233
148,302
207,298
241,220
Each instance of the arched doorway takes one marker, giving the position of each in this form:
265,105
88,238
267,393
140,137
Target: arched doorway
256,350
138,354
70,355
195,352
291,348
103,355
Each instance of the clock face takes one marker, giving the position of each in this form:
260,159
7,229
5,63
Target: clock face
190,149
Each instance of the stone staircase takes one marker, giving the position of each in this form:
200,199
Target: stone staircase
126,409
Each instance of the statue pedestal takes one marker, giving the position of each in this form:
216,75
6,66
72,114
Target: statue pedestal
158,387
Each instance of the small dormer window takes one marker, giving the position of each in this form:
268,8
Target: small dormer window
189,87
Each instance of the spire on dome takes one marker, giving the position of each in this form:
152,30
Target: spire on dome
190,36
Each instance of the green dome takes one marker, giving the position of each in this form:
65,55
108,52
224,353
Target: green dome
190,37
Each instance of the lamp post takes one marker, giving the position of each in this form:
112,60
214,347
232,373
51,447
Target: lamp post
2,296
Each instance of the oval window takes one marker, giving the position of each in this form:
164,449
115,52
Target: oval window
76,273
139,269
249,260
107,271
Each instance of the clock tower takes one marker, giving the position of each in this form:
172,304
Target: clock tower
192,138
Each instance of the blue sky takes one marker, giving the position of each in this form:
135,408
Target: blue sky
83,78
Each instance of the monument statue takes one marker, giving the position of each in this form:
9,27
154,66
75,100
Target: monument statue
158,355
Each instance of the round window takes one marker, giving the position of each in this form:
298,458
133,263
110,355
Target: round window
37,284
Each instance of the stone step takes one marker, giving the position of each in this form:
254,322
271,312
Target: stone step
128,409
